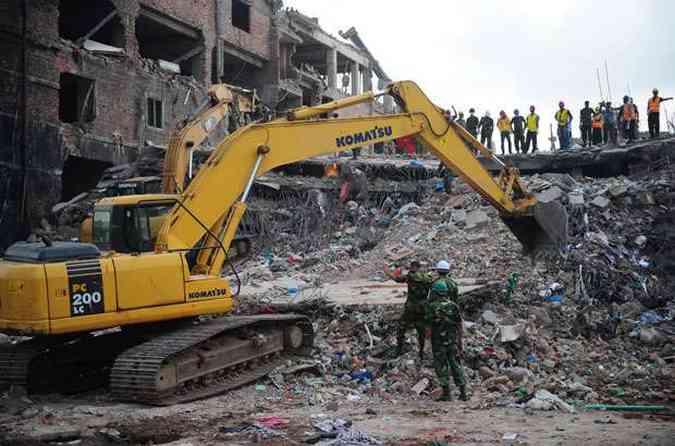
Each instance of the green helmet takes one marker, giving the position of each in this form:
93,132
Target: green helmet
440,287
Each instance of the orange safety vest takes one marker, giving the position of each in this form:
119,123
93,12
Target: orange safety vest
654,105
629,112
597,122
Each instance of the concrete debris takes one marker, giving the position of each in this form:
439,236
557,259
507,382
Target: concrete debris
458,216
545,400
601,202
551,194
476,219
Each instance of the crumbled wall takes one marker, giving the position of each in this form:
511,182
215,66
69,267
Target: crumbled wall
122,85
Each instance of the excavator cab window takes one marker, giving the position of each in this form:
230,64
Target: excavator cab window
129,228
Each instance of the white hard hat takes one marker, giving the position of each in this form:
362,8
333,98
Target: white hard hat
443,265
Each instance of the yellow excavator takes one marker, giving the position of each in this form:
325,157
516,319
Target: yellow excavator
223,101
90,304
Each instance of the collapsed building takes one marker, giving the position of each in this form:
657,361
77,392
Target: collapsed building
87,85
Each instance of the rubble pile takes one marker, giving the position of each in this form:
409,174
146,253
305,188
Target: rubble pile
591,323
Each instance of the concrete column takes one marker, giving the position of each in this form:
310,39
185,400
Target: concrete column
331,68
367,79
356,79
388,100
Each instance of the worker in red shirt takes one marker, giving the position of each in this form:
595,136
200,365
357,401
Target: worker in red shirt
407,143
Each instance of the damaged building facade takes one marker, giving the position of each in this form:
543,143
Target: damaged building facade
88,84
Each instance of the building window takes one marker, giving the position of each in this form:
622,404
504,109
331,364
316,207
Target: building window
241,14
97,20
154,113
77,99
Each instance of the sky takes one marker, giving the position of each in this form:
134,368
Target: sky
501,55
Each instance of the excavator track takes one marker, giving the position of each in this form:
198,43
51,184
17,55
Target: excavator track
15,363
66,365
207,359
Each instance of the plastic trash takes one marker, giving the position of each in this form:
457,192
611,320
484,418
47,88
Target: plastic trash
293,290
362,376
651,317
556,299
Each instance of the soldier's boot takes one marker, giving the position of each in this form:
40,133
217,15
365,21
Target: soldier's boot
446,395
462,393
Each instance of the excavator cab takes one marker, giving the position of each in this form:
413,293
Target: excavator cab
130,224
129,227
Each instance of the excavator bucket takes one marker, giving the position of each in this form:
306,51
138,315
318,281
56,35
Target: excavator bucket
545,227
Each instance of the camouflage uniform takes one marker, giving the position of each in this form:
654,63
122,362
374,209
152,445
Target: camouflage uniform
443,315
413,313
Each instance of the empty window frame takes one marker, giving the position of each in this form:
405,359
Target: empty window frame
155,113
77,99
241,15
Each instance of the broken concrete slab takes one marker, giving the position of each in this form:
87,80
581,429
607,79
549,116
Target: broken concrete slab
618,190
509,333
576,198
350,292
458,216
490,316
600,201
476,218
102,48
549,195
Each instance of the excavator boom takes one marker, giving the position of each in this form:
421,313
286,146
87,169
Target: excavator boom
259,148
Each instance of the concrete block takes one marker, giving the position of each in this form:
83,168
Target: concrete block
476,218
458,216
489,316
576,198
618,190
551,194
640,240
600,201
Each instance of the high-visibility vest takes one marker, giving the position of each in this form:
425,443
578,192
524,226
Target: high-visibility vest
563,117
654,105
629,112
597,122
532,122
504,124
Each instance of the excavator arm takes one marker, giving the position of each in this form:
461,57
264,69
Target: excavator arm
222,99
212,206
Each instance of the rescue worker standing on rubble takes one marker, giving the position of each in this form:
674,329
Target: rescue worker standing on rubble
518,127
504,126
596,125
472,123
532,123
610,124
486,126
564,119
628,119
419,283
460,120
586,124
654,113
444,317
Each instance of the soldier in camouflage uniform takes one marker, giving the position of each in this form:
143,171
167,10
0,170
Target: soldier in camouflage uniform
443,315
413,313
